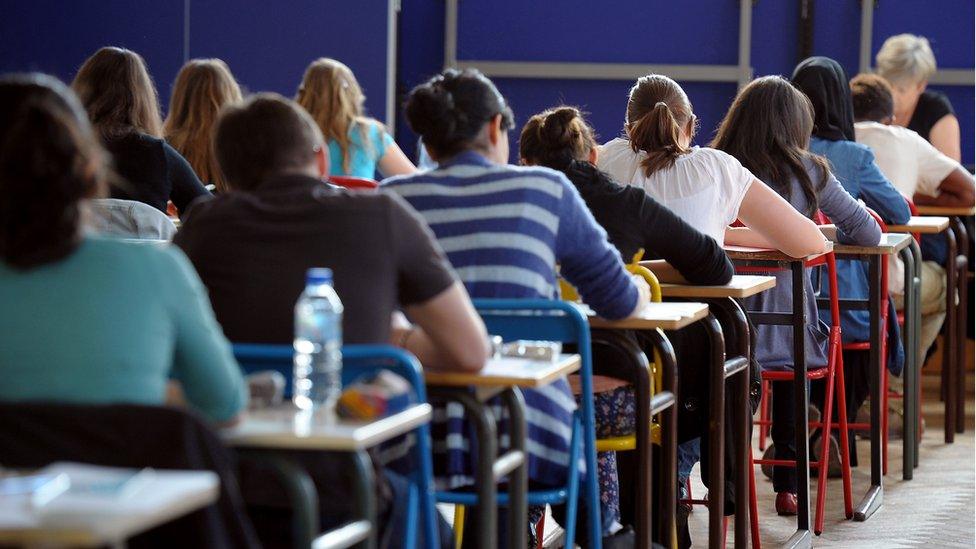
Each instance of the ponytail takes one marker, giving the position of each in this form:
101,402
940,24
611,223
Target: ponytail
656,112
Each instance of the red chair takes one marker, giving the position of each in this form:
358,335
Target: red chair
833,376
350,182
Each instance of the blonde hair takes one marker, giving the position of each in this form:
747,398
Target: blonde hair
657,111
117,92
330,93
905,59
202,88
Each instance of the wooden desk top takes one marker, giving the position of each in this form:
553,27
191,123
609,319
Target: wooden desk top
922,225
891,243
740,286
287,427
946,210
508,372
764,254
170,495
666,316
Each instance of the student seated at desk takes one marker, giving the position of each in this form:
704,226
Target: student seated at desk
825,82
116,90
707,188
561,139
768,129
252,247
201,89
358,145
85,319
504,229
916,169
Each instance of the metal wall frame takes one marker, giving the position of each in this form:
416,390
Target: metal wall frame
741,73
946,77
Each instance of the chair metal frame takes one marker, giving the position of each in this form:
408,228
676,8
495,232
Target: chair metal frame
358,360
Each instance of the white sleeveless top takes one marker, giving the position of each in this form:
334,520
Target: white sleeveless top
704,187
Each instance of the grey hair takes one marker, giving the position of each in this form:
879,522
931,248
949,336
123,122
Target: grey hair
905,59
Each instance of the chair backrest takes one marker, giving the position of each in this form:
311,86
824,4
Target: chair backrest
33,435
357,360
350,182
129,219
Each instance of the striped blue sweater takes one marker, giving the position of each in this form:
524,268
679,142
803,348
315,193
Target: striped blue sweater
504,228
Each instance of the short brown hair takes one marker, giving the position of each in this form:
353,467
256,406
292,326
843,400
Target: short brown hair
264,136
871,95
555,137
118,93
50,160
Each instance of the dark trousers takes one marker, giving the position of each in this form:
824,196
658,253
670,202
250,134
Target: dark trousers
784,435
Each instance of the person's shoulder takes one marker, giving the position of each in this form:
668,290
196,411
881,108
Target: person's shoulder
710,155
126,255
935,100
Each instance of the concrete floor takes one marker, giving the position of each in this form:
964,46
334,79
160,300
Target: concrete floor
935,509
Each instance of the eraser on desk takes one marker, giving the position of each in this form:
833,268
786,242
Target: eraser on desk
375,396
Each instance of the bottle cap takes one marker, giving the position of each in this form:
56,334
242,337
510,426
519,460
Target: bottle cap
318,275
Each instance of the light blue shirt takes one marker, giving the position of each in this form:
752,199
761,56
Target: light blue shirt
364,154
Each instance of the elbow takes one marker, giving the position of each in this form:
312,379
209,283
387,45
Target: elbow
473,359
812,245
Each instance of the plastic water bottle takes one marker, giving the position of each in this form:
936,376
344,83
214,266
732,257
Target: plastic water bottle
318,343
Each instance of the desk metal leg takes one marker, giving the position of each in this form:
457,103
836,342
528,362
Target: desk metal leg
949,352
917,394
668,470
875,495
910,418
365,494
486,511
716,434
802,537
738,368
518,480
960,263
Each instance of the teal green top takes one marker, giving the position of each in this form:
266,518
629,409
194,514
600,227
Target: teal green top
363,155
111,323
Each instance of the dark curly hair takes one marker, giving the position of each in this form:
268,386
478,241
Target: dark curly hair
50,160
449,111
556,137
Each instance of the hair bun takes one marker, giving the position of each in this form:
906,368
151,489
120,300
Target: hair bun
558,130
432,113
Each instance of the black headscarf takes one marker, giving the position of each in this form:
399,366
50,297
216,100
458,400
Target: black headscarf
825,83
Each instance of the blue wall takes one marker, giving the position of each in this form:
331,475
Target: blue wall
268,44
697,31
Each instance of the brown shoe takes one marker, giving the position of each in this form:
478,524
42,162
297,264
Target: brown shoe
786,504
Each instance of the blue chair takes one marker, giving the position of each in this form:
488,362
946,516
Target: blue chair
359,360
550,320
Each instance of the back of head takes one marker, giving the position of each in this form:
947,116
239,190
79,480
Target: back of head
120,97
202,88
824,81
330,93
555,138
50,161
768,130
450,110
872,98
657,112
263,137
906,60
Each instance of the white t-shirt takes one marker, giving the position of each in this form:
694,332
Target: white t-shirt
910,162
704,187
912,165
